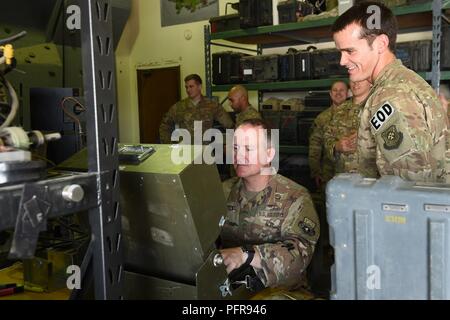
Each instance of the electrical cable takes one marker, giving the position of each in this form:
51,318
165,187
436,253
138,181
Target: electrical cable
74,117
72,228
13,38
14,102
45,159
76,101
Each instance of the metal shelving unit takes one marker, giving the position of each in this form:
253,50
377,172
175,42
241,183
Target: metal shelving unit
305,84
101,183
410,18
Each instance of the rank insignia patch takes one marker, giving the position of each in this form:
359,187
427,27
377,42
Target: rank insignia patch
392,138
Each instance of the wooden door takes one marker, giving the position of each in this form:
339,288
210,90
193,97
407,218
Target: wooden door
158,90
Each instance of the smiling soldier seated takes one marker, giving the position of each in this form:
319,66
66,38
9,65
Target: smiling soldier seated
271,225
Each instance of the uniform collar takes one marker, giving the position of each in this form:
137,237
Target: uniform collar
386,71
246,110
202,98
267,195
268,190
361,104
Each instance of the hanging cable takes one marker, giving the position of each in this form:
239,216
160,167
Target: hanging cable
13,38
74,117
14,102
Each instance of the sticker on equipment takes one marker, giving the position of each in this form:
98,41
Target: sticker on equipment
382,115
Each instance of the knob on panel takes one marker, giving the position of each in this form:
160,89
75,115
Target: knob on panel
73,192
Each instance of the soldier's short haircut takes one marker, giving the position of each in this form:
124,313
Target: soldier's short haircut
241,89
259,123
193,76
360,15
339,81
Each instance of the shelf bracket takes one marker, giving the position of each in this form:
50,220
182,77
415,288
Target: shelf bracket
231,47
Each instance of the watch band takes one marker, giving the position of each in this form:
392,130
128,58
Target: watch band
248,248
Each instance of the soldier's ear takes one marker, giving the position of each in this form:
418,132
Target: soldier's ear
270,154
382,43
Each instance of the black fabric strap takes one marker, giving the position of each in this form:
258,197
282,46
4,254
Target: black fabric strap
250,253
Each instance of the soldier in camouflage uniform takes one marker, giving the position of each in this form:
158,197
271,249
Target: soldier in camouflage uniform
238,97
269,215
341,134
322,169
194,108
444,97
403,125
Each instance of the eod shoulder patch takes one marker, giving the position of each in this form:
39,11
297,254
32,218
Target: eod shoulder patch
382,115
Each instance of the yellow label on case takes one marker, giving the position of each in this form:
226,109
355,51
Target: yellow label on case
395,219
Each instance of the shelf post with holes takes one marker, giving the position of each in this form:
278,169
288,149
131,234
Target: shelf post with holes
100,94
208,72
436,44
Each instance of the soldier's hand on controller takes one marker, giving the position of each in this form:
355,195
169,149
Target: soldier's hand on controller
233,258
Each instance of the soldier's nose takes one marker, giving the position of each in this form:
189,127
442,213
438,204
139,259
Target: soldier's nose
344,59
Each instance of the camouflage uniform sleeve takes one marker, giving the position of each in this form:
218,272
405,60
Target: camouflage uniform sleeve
250,114
367,147
330,139
412,138
167,125
254,114
284,262
227,185
223,117
315,148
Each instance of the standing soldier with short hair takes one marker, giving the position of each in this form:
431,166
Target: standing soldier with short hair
195,107
321,167
341,133
403,125
238,97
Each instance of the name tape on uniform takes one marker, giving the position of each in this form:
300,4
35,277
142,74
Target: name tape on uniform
381,116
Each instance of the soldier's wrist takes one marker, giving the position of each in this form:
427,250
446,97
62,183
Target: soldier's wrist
248,253
335,151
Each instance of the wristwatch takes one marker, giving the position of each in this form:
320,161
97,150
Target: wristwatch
250,251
